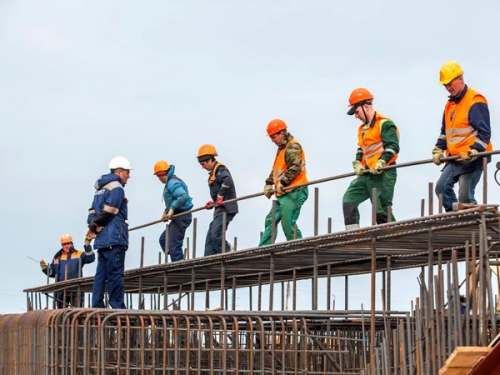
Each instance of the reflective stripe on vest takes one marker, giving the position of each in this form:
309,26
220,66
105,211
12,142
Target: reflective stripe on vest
460,135
370,142
280,167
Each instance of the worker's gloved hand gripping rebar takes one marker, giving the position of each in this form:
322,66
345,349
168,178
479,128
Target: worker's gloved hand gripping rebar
166,216
280,190
376,170
43,265
209,205
220,199
268,191
468,156
437,154
358,167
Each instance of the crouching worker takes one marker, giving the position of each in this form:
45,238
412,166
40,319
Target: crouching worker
177,200
66,265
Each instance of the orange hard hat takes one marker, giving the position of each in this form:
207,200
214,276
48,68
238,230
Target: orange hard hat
161,166
358,96
275,126
207,149
65,238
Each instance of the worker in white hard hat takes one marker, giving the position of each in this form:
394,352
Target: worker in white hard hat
66,265
465,131
108,221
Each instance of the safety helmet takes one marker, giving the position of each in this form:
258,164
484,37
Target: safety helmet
275,126
207,149
358,96
65,238
119,162
160,166
449,72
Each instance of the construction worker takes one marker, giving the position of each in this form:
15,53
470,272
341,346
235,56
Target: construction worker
221,185
465,131
66,265
177,201
108,222
378,147
289,170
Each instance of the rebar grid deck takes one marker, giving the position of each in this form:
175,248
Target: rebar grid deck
398,245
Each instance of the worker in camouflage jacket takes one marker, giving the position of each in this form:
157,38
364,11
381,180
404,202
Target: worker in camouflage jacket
289,170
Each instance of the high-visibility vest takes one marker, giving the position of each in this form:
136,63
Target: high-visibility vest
370,142
212,178
280,167
460,135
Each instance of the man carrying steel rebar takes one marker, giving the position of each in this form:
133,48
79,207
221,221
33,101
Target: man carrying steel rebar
289,170
177,201
108,222
66,265
465,131
221,185
378,147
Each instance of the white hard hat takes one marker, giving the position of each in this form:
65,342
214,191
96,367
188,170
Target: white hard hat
120,162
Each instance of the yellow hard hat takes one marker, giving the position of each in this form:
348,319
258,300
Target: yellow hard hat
207,149
449,72
161,166
65,238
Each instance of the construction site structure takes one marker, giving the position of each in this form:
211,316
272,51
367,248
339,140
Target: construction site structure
171,332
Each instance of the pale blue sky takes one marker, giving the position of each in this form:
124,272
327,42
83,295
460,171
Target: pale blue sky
83,81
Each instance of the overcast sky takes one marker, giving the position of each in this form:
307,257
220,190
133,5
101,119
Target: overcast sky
84,81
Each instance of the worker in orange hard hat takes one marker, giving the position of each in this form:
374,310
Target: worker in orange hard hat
465,131
221,185
289,170
66,265
178,203
378,147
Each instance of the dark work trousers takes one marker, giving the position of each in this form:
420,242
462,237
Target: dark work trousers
110,268
213,242
176,232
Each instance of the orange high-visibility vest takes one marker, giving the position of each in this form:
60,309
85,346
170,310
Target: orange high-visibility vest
280,167
460,135
370,141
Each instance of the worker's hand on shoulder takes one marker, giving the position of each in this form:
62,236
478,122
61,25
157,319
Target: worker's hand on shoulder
437,154
358,167
43,265
376,170
88,240
268,191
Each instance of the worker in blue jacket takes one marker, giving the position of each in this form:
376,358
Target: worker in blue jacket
66,265
108,222
177,201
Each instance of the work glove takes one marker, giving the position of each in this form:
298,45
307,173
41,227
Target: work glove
437,154
209,205
88,240
468,156
166,216
268,191
43,265
358,168
280,190
219,201
376,170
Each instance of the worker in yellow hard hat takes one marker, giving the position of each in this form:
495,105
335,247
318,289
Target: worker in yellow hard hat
177,202
289,170
465,131
378,147
221,185
66,265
